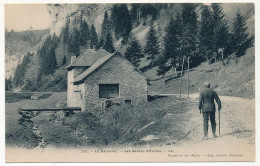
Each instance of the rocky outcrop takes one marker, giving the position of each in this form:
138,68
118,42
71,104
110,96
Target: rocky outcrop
92,13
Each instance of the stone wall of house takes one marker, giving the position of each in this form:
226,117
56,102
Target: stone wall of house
132,85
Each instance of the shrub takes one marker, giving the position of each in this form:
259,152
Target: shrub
125,124
119,124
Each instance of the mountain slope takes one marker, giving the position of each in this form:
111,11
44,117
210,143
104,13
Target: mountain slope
17,44
94,13
233,79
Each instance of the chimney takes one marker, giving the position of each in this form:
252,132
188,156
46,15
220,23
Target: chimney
73,59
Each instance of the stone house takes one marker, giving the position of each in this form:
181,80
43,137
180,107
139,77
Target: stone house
97,76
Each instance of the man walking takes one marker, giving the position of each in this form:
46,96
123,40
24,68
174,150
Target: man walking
207,107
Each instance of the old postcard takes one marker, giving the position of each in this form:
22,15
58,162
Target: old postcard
129,82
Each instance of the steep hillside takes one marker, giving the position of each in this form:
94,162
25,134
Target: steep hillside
233,79
17,44
94,14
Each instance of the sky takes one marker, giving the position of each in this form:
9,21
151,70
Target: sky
20,17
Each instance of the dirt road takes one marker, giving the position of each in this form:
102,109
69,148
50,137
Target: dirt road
237,135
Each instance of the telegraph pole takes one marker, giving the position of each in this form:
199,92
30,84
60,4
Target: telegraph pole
181,75
188,77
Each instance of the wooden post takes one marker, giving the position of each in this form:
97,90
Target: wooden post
164,67
174,71
164,79
181,75
138,15
188,77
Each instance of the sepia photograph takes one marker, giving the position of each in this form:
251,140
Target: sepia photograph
129,82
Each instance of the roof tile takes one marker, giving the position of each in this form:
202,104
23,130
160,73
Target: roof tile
88,58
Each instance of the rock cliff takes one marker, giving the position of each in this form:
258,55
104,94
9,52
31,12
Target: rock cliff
92,13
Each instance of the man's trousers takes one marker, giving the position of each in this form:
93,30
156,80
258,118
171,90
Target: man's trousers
206,117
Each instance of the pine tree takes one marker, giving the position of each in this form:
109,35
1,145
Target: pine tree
52,61
64,61
108,45
66,31
240,40
55,41
134,52
221,32
178,30
74,42
170,43
149,9
190,33
47,57
8,84
17,76
121,22
152,45
135,14
206,33
161,63
93,37
104,29
84,33
43,52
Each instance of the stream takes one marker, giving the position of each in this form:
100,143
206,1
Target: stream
26,121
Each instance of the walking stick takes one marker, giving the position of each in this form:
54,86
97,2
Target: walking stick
219,122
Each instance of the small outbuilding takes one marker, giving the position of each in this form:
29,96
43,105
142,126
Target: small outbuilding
34,97
97,76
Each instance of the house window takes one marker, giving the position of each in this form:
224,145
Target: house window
108,90
129,102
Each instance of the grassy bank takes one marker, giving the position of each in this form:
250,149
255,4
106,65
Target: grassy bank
20,135
147,123
129,125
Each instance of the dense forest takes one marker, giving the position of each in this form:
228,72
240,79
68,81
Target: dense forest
200,35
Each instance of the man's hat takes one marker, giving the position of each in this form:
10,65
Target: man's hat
206,84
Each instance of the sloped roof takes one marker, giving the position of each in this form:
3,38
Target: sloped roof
100,62
88,58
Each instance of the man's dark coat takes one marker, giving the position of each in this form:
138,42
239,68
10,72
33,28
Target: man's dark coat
206,100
